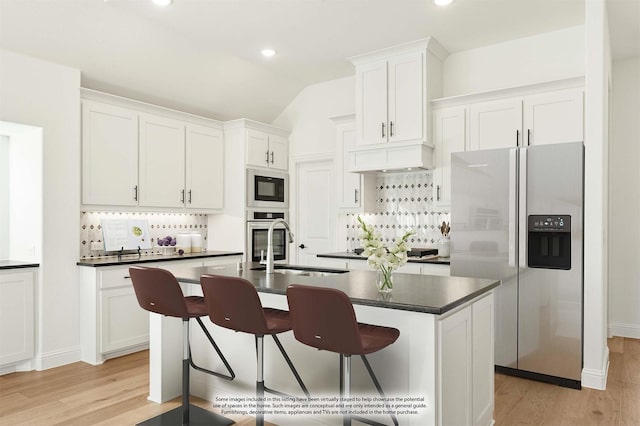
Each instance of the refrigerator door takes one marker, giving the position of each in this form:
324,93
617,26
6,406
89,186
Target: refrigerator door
550,300
484,234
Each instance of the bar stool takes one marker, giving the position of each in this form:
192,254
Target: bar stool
324,318
158,291
234,303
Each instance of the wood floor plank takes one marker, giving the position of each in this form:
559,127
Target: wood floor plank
115,393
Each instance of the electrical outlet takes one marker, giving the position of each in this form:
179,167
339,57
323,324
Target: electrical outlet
97,245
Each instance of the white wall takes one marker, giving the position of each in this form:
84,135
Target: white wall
624,184
4,197
544,57
47,95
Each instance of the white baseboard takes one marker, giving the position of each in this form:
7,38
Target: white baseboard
597,379
624,330
57,358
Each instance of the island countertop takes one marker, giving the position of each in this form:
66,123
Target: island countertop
128,259
411,292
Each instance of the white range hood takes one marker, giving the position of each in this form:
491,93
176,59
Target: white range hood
391,157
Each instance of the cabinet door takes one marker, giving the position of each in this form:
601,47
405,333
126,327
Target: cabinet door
109,155
454,375
450,127
124,322
162,155
278,153
483,362
371,103
17,322
204,168
406,98
348,183
257,148
495,124
554,117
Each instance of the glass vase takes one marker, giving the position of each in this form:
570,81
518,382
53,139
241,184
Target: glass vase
384,281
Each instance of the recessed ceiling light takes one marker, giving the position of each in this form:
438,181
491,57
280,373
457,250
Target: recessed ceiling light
442,2
162,2
267,53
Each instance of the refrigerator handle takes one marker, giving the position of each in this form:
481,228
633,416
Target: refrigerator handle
522,209
513,206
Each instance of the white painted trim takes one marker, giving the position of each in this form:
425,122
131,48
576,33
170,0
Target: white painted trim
624,330
57,358
507,92
306,158
245,123
95,95
344,118
429,44
597,379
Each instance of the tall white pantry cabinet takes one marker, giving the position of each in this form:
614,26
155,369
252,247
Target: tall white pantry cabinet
139,156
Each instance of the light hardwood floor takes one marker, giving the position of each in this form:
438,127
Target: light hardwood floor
115,394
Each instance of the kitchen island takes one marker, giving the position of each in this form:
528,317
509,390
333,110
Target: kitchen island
442,361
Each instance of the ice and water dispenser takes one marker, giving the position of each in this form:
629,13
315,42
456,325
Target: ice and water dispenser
549,241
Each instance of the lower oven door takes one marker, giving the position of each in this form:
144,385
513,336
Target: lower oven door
257,241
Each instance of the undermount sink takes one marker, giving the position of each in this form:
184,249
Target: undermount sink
307,271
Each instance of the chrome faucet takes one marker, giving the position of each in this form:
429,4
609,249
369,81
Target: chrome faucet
270,242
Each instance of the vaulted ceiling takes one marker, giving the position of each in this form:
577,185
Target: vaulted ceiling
203,56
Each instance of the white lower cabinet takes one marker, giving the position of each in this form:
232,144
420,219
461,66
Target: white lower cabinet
112,321
465,374
362,265
17,316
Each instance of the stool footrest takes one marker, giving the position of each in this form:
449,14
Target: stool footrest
197,417
231,375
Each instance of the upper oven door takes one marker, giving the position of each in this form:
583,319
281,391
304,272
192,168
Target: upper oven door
267,189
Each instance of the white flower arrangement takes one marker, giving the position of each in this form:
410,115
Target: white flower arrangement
384,260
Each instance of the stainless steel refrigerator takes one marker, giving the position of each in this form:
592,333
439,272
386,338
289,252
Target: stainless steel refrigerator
517,215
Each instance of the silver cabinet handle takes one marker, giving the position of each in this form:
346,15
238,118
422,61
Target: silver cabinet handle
271,157
135,193
437,192
528,137
517,137
267,156
382,130
182,196
189,196
391,129
355,195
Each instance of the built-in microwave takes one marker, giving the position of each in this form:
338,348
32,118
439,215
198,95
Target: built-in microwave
266,188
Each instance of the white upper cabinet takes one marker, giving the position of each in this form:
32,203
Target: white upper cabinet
267,150
356,192
135,158
109,154
450,129
406,97
390,99
162,162
554,117
204,180
495,124
394,88
537,119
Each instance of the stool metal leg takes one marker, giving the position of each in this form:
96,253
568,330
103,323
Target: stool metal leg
231,374
260,381
345,376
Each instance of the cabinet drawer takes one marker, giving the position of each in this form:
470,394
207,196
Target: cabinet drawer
115,278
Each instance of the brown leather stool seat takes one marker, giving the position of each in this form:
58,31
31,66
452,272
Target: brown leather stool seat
324,318
158,291
234,303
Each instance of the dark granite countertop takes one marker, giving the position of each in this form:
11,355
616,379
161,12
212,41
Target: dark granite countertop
17,264
351,255
134,258
411,292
